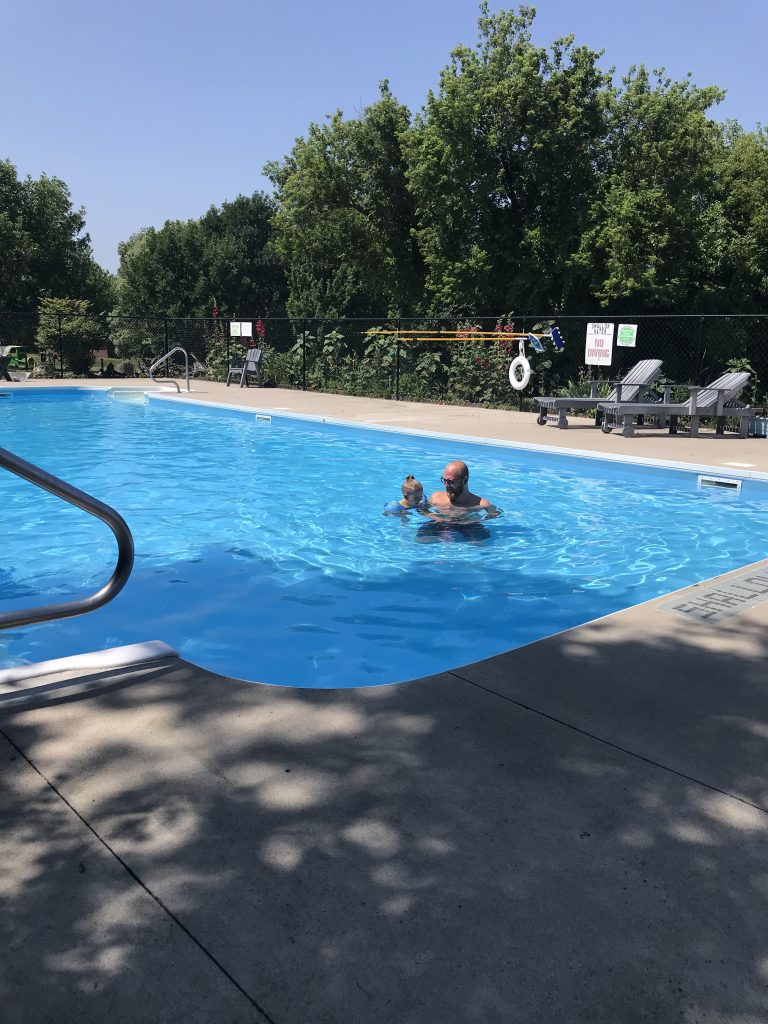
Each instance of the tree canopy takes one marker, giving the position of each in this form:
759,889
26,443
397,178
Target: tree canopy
346,218
184,267
44,250
531,180
502,163
656,221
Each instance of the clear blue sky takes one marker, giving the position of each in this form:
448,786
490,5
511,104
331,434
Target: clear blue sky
155,110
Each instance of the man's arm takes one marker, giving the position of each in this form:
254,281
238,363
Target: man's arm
491,512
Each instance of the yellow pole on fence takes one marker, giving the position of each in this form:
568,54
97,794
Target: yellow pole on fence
459,335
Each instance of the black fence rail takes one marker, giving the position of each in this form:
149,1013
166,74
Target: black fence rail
435,360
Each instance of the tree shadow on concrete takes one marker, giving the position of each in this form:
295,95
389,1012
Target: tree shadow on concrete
429,851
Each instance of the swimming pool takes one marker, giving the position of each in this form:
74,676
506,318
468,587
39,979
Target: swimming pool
262,551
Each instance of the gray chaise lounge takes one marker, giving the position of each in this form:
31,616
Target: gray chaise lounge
718,399
635,386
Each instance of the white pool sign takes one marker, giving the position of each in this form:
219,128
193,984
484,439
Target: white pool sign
626,336
599,351
241,329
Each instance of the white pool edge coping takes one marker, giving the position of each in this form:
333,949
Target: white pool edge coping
639,460
127,656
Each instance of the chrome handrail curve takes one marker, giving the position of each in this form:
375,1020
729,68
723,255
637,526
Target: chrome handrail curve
162,359
116,523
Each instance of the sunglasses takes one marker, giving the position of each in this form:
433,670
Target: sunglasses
451,481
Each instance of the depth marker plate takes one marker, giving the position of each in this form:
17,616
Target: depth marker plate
712,604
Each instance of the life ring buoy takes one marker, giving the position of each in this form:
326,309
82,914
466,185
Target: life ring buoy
519,363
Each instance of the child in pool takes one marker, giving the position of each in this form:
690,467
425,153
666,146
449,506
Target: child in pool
413,498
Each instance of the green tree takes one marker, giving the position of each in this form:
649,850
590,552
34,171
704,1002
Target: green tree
44,250
177,269
160,272
744,190
346,217
503,162
241,268
69,327
657,228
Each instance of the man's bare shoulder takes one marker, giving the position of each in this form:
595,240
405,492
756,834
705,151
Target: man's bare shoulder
490,509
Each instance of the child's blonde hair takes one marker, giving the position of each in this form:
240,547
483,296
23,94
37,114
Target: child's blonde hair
411,486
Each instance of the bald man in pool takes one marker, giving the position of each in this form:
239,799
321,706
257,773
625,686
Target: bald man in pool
457,498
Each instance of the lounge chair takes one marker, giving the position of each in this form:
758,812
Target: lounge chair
634,386
251,363
718,399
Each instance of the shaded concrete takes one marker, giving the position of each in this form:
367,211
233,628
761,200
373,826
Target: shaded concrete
81,939
428,851
691,695
569,832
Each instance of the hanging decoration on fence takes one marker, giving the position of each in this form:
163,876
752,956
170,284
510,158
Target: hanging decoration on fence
519,368
467,335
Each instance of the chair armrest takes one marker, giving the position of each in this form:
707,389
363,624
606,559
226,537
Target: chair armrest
721,393
688,387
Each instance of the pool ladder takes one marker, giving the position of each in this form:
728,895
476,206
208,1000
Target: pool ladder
116,523
165,358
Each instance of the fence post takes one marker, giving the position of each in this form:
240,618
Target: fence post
304,355
397,362
519,393
61,350
165,319
700,354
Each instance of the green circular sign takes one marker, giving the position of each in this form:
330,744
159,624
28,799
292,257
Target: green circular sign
626,335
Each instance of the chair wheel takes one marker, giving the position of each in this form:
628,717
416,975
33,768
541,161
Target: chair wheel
541,419
605,428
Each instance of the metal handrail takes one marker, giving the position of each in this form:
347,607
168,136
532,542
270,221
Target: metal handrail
162,359
116,523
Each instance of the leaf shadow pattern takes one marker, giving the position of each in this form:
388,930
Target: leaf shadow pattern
430,850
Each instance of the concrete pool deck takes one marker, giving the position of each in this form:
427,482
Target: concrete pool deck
574,831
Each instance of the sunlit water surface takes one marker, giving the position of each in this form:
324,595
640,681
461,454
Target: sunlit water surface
262,551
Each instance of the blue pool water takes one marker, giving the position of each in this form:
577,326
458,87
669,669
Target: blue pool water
262,551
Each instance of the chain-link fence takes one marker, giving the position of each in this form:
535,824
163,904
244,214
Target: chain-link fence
434,360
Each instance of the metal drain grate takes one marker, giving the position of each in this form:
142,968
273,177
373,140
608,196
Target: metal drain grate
711,604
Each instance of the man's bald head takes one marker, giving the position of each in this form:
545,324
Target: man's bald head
455,477
457,468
